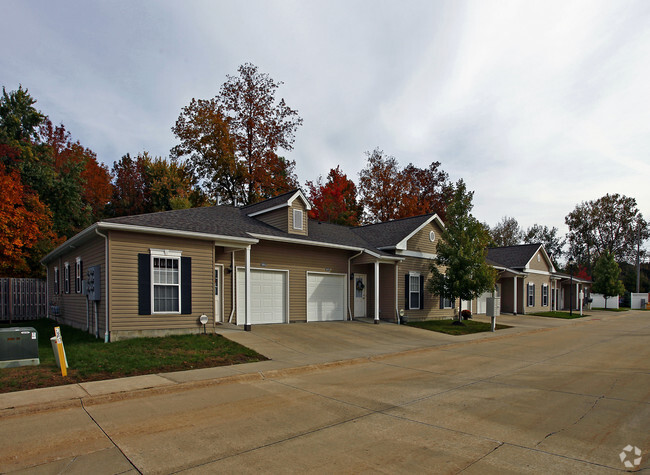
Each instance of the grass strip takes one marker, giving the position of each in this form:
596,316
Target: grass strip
447,326
91,359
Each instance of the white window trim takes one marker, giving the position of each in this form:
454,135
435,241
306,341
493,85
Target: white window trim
416,291
297,220
544,295
66,278
77,276
530,295
165,254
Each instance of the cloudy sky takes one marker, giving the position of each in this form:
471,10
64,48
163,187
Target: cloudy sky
536,105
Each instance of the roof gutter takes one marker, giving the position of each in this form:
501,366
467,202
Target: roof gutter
232,241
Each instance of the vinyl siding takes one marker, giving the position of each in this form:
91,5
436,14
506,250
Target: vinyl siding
538,280
277,218
298,204
420,242
542,265
431,308
72,306
123,254
297,259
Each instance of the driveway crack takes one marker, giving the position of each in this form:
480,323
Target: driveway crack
550,434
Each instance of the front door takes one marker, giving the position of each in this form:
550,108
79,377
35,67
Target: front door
360,295
217,293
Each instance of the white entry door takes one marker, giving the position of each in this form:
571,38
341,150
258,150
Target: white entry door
360,292
325,297
268,296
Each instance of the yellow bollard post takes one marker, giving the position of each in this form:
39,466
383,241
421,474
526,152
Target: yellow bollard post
59,346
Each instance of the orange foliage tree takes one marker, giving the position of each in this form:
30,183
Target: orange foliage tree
336,200
25,223
388,192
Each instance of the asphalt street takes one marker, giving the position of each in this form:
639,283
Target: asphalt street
547,396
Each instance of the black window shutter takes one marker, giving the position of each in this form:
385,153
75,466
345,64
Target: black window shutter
144,284
421,292
186,285
442,302
453,303
407,288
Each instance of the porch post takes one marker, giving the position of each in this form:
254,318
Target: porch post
247,289
514,293
376,291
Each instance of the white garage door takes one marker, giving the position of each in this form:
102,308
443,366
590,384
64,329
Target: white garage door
325,297
268,296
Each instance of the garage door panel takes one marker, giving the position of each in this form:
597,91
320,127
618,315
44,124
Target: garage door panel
325,297
268,296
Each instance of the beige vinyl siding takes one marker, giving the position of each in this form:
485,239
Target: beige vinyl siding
123,254
541,265
538,280
277,218
431,302
420,242
72,306
298,204
295,258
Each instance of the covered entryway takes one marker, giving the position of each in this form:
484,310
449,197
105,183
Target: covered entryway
325,297
268,296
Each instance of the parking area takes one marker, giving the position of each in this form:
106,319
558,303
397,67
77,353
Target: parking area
552,397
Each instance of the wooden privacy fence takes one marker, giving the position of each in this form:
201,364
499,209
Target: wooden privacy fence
22,299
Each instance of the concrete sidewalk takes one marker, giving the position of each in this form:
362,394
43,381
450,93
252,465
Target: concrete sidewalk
293,348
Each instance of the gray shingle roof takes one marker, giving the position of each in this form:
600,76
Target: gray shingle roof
235,222
391,232
513,257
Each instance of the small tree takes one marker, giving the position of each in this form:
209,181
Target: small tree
606,277
462,252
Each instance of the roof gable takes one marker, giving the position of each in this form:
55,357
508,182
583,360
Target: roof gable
518,257
395,234
281,201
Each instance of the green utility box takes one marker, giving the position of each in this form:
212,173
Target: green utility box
18,347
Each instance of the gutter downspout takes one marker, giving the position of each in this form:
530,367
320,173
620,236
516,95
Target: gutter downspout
47,290
350,260
396,297
106,331
233,273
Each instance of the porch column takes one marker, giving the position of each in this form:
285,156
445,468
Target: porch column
247,289
376,291
514,293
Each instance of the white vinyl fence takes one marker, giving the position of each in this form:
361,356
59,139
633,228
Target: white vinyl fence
599,301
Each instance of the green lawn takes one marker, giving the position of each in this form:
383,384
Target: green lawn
91,359
565,315
447,326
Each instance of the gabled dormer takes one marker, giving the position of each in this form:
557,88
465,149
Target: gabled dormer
287,212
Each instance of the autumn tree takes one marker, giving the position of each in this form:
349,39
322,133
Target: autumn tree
607,277
25,227
388,192
553,243
506,232
426,190
236,138
461,253
336,200
210,151
148,184
611,224
128,187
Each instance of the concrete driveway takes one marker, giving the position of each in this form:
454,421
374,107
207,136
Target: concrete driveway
552,396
